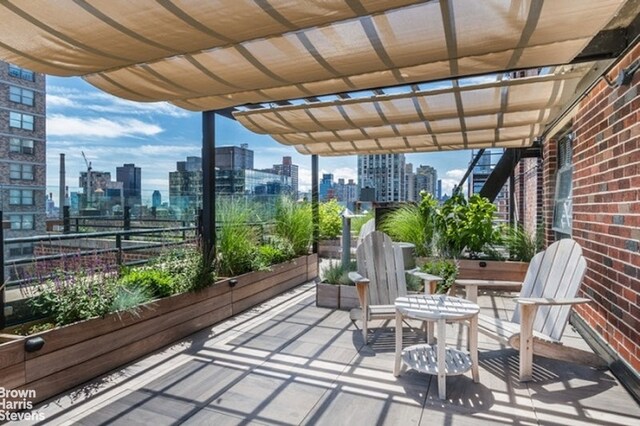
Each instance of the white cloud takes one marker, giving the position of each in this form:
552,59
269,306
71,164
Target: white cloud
59,101
451,179
346,173
62,125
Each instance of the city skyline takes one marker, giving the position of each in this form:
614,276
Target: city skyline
113,131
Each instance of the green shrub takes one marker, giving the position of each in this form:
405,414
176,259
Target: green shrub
358,222
155,282
519,243
335,273
330,220
294,224
447,269
237,241
129,299
408,224
277,251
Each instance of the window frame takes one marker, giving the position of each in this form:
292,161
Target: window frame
23,147
562,222
21,73
21,120
22,223
21,197
19,97
13,172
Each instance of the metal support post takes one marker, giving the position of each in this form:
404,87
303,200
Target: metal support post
208,187
127,220
66,223
346,241
315,207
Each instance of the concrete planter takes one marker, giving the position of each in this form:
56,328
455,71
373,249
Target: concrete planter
76,353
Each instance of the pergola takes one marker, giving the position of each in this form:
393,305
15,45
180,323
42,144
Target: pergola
273,63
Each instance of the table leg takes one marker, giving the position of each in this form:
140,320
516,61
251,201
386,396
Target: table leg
473,348
398,360
442,353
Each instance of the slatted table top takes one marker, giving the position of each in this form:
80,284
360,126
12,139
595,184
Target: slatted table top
434,307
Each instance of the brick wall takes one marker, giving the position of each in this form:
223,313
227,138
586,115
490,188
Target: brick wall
606,209
529,194
549,168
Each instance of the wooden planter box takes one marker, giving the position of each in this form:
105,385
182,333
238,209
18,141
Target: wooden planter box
79,352
328,295
348,297
492,270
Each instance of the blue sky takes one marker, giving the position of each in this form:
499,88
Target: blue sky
113,131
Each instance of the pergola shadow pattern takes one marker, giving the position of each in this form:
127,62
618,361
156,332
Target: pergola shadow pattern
289,362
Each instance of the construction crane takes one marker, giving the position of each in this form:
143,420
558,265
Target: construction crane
88,193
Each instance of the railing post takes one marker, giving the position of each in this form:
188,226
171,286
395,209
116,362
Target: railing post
127,220
77,220
184,231
3,320
315,207
66,223
119,248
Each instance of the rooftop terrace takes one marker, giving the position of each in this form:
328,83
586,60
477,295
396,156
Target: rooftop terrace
289,362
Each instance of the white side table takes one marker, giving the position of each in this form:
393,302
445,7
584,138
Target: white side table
437,359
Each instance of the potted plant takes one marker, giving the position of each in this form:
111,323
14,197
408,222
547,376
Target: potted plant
330,229
336,290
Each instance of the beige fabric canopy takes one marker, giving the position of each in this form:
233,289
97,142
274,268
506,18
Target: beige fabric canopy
204,55
503,112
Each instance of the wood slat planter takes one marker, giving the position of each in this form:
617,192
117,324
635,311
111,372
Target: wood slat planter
79,352
492,270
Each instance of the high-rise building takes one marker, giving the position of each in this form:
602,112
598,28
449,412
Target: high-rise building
287,168
23,147
346,192
156,199
105,194
326,190
234,157
131,178
426,180
385,173
439,190
410,183
185,186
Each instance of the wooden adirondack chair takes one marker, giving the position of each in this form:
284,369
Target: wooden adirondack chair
548,292
368,227
381,279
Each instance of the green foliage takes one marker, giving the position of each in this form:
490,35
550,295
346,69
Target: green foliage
237,241
155,282
129,299
461,223
294,224
186,266
277,251
358,222
335,273
408,224
414,283
520,244
447,269
74,300
330,220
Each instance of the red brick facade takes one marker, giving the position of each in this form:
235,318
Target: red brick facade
606,208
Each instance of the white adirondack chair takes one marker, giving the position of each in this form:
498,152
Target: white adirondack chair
381,279
548,292
368,227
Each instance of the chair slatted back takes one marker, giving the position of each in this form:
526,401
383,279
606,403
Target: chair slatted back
368,227
382,263
556,272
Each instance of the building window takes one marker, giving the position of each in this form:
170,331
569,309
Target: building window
21,96
21,73
563,206
22,222
25,249
21,197
22,146
21,171
21,121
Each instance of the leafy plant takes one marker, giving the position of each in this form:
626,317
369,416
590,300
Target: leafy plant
466,224
156,282
409,224
521,245
447,269
129,299
414,283
330,220
294,224
187,268
236,240
277,251
335,273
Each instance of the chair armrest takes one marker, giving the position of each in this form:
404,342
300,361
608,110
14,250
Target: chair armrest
423,275
551,301
357,278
